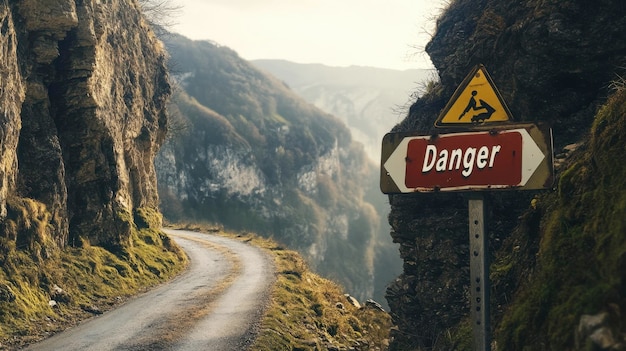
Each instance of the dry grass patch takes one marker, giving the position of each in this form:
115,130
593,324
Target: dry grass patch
308,312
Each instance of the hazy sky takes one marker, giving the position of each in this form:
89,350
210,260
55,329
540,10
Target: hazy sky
377,33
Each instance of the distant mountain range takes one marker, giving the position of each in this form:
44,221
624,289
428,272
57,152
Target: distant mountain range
369,100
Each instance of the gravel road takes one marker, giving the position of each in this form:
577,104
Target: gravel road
215,305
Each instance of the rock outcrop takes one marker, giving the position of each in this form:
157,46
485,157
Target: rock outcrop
83,87
552,61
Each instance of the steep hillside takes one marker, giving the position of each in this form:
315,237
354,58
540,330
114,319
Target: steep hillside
254,156
368,100
557,255
83,89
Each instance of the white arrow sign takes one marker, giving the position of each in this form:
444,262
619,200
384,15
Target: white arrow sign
532,156
493,159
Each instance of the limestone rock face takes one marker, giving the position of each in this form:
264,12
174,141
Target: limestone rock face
11,97
83,87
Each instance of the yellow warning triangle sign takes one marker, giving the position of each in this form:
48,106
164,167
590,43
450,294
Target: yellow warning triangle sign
476,101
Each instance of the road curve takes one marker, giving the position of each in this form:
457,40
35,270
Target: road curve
215,305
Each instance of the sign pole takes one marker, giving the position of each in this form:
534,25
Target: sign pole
479,273
485,152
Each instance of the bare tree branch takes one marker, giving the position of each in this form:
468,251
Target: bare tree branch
160,13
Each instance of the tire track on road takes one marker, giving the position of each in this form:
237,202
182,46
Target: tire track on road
165,333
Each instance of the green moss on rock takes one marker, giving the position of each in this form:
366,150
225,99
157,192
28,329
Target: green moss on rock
581,260
91,278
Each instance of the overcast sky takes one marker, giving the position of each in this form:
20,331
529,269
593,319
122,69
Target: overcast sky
377,33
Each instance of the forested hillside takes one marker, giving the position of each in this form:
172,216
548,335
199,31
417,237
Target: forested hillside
248,153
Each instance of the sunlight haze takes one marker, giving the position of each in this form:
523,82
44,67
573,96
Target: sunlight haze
385,34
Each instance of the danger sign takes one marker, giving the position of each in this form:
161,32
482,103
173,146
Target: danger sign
519,157
464,160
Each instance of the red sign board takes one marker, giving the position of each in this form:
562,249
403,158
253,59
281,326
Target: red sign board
463,160
498,158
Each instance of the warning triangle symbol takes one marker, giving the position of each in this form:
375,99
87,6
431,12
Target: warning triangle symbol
475,101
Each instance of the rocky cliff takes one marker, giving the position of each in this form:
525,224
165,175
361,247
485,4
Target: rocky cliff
553,61
83,87
83,92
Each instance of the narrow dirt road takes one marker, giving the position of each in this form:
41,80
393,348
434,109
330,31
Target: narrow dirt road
215,305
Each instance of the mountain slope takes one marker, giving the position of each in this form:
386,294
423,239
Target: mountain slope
254,156
368,100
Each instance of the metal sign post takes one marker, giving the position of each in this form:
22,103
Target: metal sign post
479,273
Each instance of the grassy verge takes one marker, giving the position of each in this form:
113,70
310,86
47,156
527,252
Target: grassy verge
40,297
308,312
